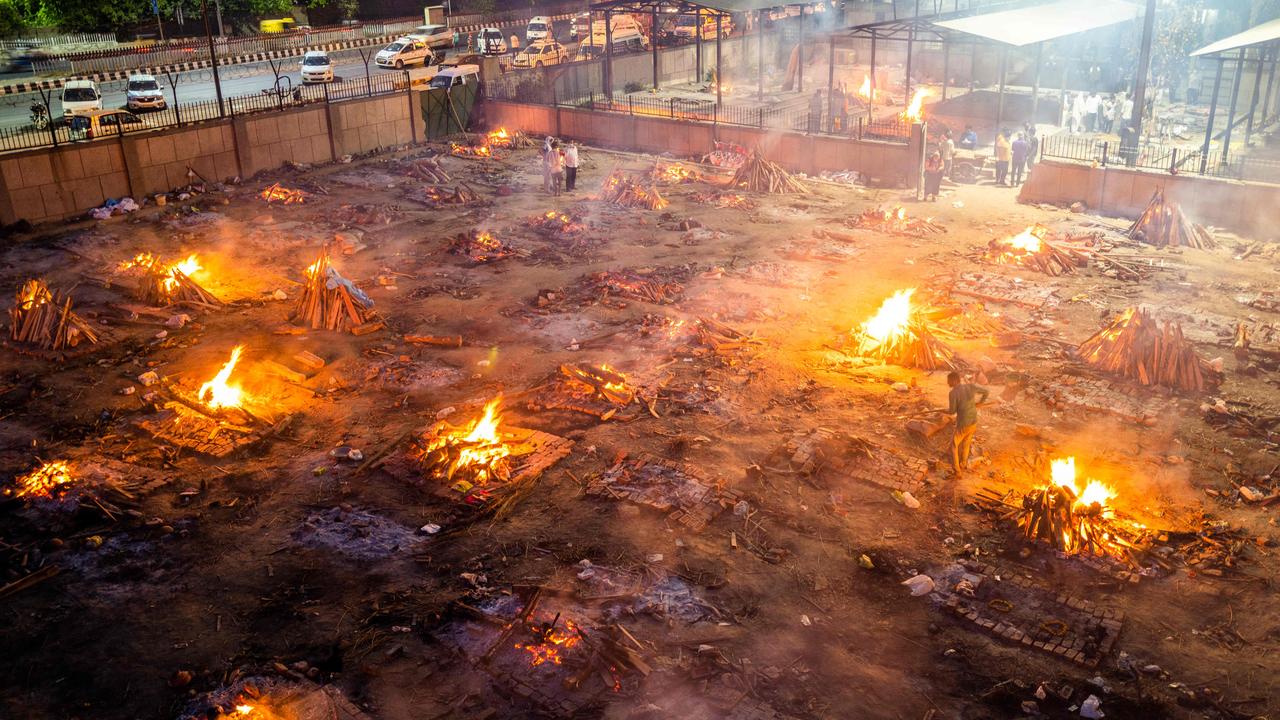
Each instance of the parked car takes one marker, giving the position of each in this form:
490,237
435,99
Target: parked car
143,93
80,97
454,76
686,26
489,41
104,123
580,26
539,28
317,67
540,53
404,52
435,36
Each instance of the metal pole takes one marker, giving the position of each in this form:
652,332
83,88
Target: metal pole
653,45
760,54
946,67
1253,103
213,58
1004,62
831,83
973,66
608,55
1035,87
1144,64
719,77
1213,111
697,23
1271,77
159,25
217,8
911,38
871,101
1231,112
800,55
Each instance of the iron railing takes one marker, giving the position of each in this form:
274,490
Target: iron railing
1159,157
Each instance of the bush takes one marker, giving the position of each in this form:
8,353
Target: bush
633,86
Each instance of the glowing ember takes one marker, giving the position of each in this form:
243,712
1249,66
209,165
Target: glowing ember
915,111
550,641
281,194
891,322
244,709
217,393
674,174
1063,473
44,481
499,137
481,151
894,220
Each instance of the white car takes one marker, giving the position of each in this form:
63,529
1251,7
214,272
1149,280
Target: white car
451,77
143,93
80,97
316,67
435,36
489,41
404,52
539,28
540,53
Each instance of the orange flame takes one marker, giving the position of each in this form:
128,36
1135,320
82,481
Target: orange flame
866,91
891,322
217,393
485,446
1029,240
1063,473
281,194
44,481
552,640
915,111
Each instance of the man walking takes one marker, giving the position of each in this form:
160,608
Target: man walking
571,167
963,403
1004,154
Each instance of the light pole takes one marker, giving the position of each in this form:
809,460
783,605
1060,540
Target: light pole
213,58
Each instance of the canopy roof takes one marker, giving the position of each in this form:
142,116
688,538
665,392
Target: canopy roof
688,6
1036,24
1256,35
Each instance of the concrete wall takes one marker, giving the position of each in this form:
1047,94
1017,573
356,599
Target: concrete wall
1245,207
795,151
55,183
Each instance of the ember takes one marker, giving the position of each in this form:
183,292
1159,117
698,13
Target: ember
479,247
915,110
895,334
549,641
557,223
627,284
674,174
596,390
1136,347
724,200
330,301
895,221
467,457
43,482
474,151
461,194
44,319
1031,248
502,138
281,194
625,191
217,393
166,284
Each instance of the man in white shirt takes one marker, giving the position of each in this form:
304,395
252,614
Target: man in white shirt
948,148
1091,106
570,167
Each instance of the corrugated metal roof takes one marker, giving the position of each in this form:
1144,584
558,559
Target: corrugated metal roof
1256,35
1030,25
728,6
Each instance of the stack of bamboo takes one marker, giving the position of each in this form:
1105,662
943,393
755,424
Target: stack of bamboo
164,285
1163,224
1136,347
428,169
330,301
44,319
761,175
625,191
917,347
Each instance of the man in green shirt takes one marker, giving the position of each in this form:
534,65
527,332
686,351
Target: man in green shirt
963,403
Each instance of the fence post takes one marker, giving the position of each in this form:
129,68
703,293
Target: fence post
860,121
672,103
1105,147
48,113
631,105
760,122
1173,163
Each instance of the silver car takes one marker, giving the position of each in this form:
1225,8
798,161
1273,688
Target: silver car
144,93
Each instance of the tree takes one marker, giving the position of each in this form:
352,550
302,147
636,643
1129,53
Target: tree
12,21
91,15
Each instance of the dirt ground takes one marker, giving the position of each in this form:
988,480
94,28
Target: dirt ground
282,565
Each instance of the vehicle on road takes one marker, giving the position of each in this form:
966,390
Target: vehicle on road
104,123
541,53
404,52
143,93
435,36
80,97
489,41
454,76
539,28
279,25
39,116
580,26
316,67
686,26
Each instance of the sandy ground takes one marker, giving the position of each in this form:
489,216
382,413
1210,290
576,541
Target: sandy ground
220,572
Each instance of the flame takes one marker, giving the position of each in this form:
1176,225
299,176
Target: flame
865,91
279,193
915,111
33,293
1063,473
486,447
168,274
892,320
44,481
217,393
475,150
1028,240
244,709
552,640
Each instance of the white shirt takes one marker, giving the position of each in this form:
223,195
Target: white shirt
571,156
1091,104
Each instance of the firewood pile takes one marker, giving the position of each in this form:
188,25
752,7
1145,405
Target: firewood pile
460,194
625,191
479,246
428,170
914,347
761,175
557,224
1031,248
277,193
596,390
331,302
504,138
470,151
163,285
44,319
622,283
1052,515
724,200
1163,224
1135,346
895,221
673,174
722,339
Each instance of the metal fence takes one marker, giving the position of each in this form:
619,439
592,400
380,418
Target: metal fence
174,114
1159,157
53,40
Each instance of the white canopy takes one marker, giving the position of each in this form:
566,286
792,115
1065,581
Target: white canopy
1256,35
1031,25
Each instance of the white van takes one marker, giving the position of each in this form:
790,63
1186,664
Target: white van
455,76
404,52
539,28
80,97
435,36
489,41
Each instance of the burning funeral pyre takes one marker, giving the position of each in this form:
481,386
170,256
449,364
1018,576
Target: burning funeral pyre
761,175
596,390
165,284
44,319
470,151
467,457
330,301
1031,248
1163,224
897,334
915,109
46,481
725,200
673,174
1135,346
895,221
218,393
461,194
277,193
557,224
1075,520
503,138
479,246
625,191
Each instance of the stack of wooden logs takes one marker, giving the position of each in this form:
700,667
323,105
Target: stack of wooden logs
1163,224
163,285
895,221
1051,515
722,338
624,191
428,169
326,303
461,194
602,381
761,175
1135,346
917,347
1046,257
44,319
479,246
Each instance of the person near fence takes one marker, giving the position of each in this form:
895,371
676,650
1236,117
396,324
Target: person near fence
948,150
837,110
1077,113
1091,106
547,147
1104,114
571,167
933,176
1033,146
815,112
1004,153
1018,155
555,162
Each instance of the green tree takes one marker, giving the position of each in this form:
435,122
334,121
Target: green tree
91,15
12,21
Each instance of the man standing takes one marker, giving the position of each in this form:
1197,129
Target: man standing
948,149
555,159
1091,107
1019,156
963,403
571,167
1004,153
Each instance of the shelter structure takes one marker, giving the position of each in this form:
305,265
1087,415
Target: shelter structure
1262,41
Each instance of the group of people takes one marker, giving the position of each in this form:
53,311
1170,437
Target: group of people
1091,112
559,165
1015,152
